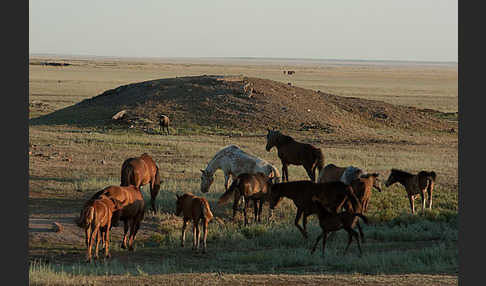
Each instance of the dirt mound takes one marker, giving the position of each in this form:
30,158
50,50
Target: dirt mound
244,104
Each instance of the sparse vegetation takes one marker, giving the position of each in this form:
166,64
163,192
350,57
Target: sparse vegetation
398,243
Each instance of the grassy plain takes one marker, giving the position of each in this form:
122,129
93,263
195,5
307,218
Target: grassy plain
68,164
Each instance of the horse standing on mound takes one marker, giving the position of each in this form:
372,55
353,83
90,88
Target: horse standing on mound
414,184
197,209
233,161
140,171
253,187
292,152
164,123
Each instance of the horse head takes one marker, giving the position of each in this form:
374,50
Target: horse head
178,205
391,179
206,181
376,182
271,139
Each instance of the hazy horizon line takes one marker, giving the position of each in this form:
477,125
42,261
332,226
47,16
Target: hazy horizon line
244,58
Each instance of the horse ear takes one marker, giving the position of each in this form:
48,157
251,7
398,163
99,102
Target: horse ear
202,171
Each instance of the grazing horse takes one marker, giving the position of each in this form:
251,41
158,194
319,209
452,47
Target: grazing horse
96,219
131,212
233,161
139,172
292,152
164,123
334,196
414,184
197,209
329,223
255,187
334,173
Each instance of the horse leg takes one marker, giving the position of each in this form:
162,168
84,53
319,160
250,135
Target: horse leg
429,191
183,236
97,235
285,172
361,234
296,222
167,127
315,244
205,234
260,209
351,233
136,226
324,238
153,195
89,242
411,199
310,172
244,211
125,234
422,196
304,222
255,211
107,240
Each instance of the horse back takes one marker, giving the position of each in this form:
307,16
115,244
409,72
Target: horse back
330,173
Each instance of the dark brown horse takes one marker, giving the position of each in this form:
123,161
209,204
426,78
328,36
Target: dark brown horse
253,187
196,209
334,196
139,172
292,152
414,184
328,222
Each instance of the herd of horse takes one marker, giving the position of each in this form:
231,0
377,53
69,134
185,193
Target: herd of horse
339,196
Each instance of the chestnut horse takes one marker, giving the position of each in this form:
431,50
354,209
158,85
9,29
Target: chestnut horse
197,209
255,187
414,184
292,152
131,212
96,220
139,172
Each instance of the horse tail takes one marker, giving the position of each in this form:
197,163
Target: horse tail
206,211
356,204
319,159
157,178
127,174
86,217
228,194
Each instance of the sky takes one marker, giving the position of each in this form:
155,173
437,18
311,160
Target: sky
412,30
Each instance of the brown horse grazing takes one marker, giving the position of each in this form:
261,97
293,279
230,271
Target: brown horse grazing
139,172
334,196
332,173
164,123
96,221
414,184
197,209
253,187
329,223
292,152
131,212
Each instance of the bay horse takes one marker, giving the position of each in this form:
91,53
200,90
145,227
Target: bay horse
96,220
253,187
196,209
335,195
328,222
164,123
131,212
140,171
233,161
414,184
334,173
292,152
